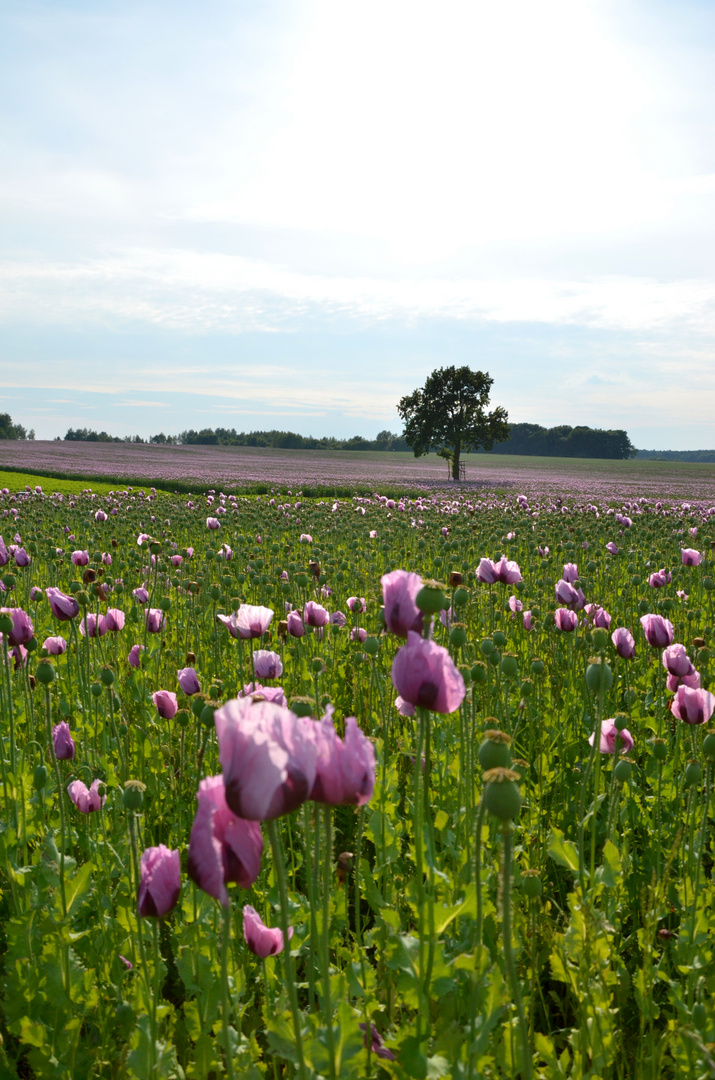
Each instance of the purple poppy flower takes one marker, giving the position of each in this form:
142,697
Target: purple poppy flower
62,741
295,624
623,643
609,735
222,847
260,939
565,619
114,620
345,772
424,674
399,591
276,694
93,625
155,620
160,883
189,681
315,614
22,628
141,595
80,558
165,703
690,557
658,631
267,664
62,607
87,800
692,706
134,657
268,756
55,646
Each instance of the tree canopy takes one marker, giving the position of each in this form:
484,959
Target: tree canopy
448,415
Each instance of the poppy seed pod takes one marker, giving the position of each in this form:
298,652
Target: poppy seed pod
531,884
599,677
502,797
495,752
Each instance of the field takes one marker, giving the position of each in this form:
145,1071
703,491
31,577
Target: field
254,469
502,868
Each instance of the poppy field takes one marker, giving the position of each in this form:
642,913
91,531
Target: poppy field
356,787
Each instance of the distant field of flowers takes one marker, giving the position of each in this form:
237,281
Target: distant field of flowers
354,787
237,468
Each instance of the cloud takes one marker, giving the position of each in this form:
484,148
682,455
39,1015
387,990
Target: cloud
202,292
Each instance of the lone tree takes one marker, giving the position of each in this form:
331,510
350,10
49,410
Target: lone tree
447,415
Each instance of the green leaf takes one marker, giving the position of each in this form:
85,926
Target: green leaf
610,872
563,852
440,820
78,887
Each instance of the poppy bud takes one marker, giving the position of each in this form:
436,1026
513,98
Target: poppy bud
39,777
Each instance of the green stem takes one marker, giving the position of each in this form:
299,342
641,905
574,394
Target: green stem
226,1010
279,871
507,836
327,1002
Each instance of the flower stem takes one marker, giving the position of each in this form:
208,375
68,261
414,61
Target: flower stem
279,870
507,835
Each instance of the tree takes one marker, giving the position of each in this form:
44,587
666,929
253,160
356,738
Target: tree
448,415
8,430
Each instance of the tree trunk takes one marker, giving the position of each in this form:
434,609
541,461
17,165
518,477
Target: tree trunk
455,461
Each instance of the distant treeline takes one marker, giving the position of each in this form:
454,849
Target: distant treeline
277,440
566,441
8,430
563,441
677,455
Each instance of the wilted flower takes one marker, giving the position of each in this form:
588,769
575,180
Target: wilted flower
160,883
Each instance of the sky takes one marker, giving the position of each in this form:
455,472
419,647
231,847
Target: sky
287,214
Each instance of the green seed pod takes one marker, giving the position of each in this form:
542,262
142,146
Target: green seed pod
302,706
708,584
599,677
133,795
479,673
531,884
495,752
215,592
371,646
659,748
197,705
501,796
430,599
207,714
643,607
499,639
527,688
622,771
693,773
9,581
301,580
45,673
96,689
106,676
6,625
509,666
486,646
39,777
494,658
459,597
182,718
537,666
317,665
466,673
165,603
709,746
599,638
458,636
